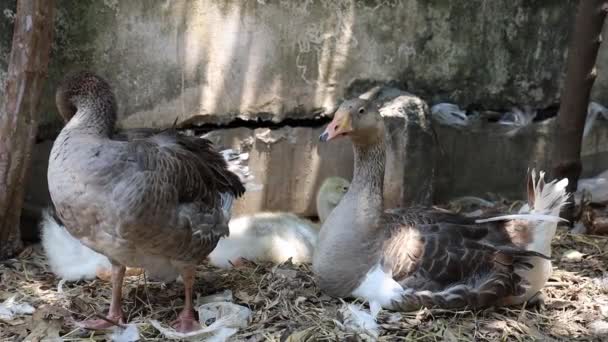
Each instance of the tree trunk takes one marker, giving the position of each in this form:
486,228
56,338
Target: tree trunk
27,71
580,75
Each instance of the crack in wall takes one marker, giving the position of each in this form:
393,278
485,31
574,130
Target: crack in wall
50,133
255,124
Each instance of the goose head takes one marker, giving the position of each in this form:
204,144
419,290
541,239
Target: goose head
84,90
357,118
333,189
330,194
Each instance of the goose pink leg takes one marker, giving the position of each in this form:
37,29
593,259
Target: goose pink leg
186,321
115,313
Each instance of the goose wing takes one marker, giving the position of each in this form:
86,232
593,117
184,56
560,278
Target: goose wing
174,196
191,165
451,265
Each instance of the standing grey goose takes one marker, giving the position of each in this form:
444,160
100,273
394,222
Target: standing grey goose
159,201
406,258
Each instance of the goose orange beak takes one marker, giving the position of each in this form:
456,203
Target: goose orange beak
340,126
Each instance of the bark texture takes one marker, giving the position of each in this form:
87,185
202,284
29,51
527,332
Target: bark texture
580,75
27,72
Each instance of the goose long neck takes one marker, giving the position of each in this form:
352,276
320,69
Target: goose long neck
368,175
94,118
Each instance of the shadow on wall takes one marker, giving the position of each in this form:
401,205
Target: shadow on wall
232,72
235,73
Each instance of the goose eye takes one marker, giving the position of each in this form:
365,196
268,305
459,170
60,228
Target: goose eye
345,188
361,110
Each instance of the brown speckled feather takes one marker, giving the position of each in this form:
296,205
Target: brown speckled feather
427,253
191,165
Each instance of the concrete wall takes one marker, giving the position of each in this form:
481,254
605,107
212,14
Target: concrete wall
212,60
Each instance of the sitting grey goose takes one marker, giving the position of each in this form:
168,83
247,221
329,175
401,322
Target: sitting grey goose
158,201
407,258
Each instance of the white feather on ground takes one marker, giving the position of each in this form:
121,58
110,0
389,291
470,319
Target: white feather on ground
358,321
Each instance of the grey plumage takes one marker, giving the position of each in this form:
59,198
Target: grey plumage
143,198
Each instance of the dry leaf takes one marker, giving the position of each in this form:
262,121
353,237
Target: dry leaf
307,335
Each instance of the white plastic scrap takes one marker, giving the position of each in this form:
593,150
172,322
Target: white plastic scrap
227,318
359,321
9,309
129,333
593,110
449,114
225,314
225,296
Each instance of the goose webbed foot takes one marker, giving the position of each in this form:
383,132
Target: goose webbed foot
186,322
112,319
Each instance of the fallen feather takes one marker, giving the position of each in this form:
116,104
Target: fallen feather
129,333
9,309
358,321
572,256
599,328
